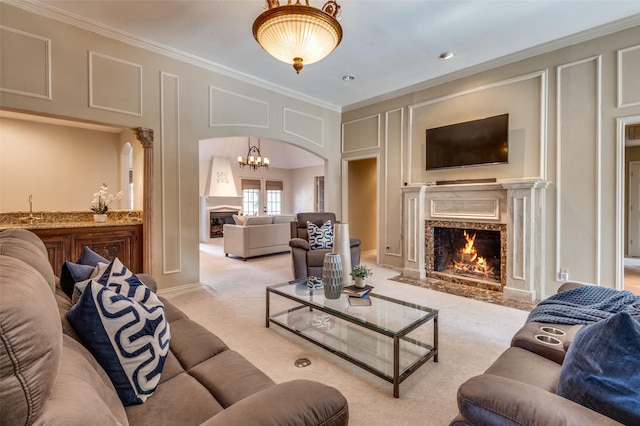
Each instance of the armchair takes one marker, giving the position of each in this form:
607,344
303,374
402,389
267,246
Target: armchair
306,262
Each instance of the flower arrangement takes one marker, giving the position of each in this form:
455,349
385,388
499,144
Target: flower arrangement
101,200
361,271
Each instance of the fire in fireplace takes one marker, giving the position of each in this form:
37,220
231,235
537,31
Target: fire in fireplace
466,254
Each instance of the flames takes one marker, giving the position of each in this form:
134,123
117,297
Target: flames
470,261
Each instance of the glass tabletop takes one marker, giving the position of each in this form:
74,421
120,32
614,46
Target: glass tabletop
385,314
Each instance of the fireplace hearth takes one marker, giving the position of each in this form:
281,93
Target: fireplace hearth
466,253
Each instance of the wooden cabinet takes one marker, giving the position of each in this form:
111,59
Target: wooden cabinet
121,241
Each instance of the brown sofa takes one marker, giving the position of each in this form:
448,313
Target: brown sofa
48,377
306,262
519,388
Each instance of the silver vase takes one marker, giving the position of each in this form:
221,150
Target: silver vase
332,275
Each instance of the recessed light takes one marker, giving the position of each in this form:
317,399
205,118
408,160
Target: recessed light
348,77
447,55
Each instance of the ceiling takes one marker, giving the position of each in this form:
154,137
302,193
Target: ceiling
388,46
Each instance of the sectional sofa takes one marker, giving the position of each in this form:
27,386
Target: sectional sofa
48,375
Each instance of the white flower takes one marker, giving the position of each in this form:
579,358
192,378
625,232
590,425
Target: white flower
101,200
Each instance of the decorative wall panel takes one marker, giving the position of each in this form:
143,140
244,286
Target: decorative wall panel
26,69
171,194
578,170
115,84
361,134
628,81
228,108
394,122
304,126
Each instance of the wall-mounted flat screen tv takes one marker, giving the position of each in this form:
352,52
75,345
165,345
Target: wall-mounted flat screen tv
472,143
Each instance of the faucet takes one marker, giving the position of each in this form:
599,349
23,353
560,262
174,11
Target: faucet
31,217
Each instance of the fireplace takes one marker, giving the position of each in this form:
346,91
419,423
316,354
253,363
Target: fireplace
467,253
217,219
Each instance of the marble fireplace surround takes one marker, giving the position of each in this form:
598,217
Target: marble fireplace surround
463,279
516,203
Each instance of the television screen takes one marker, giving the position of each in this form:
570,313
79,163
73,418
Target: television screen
477,142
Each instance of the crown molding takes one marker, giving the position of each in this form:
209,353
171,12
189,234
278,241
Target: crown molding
34,6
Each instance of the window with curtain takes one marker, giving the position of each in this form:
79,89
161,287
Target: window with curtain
274,197
251,196
262,192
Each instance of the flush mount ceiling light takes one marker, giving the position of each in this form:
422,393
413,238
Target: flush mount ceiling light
298,34
254,158
447,55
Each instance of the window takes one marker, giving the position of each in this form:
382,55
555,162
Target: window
274,197
261,192
319,193
251,194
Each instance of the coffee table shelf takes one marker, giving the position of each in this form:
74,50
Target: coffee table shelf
391,338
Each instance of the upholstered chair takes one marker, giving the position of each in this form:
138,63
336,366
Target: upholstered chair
305,260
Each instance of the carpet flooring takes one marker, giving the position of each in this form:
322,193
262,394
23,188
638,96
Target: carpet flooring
230,301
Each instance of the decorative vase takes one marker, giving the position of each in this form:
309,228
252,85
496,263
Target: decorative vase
100,218
342,246
332,275
361,282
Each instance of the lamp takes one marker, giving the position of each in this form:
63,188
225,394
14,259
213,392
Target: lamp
298,34
254,157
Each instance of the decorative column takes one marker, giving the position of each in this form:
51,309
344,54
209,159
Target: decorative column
145,136
525,254
413,197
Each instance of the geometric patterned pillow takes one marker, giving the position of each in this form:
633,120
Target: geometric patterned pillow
320,237
124,326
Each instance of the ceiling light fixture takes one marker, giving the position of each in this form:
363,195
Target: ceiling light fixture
298,34
254,158
348,77
447,55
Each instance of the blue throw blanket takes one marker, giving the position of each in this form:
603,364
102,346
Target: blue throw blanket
585,305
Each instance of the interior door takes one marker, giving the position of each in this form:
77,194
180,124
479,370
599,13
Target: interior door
634,209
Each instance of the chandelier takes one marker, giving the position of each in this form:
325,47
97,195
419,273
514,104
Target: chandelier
254,158
298,34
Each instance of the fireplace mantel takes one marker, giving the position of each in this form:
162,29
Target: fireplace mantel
517,202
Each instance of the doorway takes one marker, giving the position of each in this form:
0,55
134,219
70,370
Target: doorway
362,202
628,178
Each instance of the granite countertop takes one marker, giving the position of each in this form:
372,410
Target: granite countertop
53,220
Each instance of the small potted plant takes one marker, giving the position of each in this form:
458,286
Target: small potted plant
360,273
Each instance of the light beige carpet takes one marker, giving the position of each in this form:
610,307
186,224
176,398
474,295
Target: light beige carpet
230,301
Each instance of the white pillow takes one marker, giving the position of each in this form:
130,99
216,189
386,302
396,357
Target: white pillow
258,220
239,220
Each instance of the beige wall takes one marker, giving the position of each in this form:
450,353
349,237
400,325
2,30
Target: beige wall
363,202
62,167
59,69
562,108
302,188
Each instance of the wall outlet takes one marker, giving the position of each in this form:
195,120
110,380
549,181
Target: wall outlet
564,274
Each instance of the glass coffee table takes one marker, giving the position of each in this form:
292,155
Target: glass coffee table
390,338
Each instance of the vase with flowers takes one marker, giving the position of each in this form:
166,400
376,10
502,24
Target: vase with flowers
101,201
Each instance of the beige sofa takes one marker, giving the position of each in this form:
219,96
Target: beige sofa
257,235
47,375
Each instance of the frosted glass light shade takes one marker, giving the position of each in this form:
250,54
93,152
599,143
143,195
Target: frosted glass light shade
297,34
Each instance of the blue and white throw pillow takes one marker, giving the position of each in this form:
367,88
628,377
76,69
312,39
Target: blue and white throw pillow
124,325
320,237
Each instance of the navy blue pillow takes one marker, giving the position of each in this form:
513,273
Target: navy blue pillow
601,370
124,326
320,237
72,273
90,257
